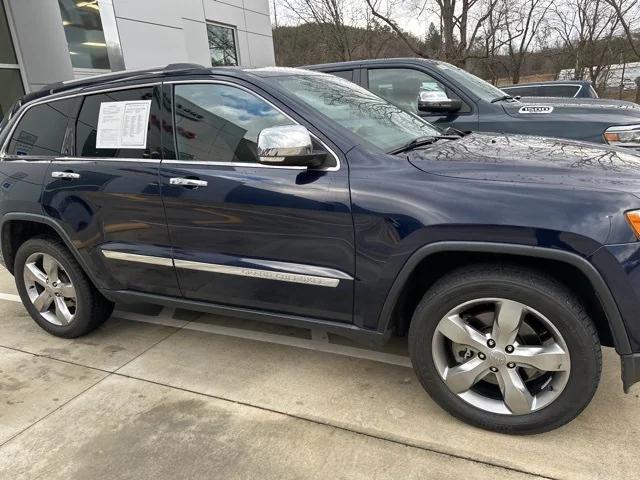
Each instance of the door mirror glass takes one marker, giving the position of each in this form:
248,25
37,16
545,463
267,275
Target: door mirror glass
288,145
437,102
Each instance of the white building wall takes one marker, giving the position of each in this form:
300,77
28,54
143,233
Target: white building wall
159,32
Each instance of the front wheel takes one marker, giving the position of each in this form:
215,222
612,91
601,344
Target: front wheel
55,290
505,349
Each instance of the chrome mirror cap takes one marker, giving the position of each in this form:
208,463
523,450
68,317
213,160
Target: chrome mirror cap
276,144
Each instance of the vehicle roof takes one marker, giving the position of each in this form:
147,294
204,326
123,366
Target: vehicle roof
178,69
376,61
549,82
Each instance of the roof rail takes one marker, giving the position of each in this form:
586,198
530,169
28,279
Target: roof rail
183,66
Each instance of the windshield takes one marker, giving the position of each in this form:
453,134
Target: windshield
368,116
482,89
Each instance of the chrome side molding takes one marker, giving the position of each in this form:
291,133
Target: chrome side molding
284,274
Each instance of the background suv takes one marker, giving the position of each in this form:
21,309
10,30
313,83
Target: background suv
297,197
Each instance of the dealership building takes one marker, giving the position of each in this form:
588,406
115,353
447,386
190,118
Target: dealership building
47,41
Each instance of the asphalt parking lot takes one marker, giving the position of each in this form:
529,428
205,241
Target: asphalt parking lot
170,394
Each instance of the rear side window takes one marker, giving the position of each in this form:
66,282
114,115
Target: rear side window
346,74
41,130
87,125
558,90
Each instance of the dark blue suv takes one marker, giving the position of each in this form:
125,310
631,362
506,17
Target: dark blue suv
300,198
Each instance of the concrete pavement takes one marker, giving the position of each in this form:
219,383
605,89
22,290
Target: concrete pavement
185,395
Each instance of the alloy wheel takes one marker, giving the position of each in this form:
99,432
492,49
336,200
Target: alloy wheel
50,289
501,356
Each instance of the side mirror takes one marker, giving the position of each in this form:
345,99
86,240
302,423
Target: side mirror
427,102
288,145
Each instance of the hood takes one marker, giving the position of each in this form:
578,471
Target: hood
531,159
616,112
581,102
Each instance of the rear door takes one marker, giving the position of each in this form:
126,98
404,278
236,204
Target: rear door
36,137
106,194
248,235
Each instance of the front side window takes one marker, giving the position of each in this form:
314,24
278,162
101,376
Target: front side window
221,123
222,45
402,86
85,37
87,125
41,130
373,119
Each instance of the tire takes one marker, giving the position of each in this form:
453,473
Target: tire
553,317
87,310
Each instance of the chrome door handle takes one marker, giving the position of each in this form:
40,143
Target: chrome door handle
188,182
66,175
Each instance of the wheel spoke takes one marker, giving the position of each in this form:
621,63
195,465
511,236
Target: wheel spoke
43,301
507,322
549,358
62,311
457,330
462,377
68,291
34,274
51,267
514,392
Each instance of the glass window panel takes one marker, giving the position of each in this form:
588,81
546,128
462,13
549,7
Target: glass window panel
87,125
219,123
42,129
401,86
346,74
11,89
222,45
85,37
7,53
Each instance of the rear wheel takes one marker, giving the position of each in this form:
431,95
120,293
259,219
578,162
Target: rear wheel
505,349
55,291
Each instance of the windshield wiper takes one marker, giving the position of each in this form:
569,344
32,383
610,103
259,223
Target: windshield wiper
422,141
416,142
503,97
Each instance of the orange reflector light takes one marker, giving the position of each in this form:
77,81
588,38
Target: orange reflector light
612,137
634,220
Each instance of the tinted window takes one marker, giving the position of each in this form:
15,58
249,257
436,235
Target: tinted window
346,74
518,91
220,123
87,125
42,129
558,90
402,86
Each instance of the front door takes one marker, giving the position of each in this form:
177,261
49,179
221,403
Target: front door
247,235
108,199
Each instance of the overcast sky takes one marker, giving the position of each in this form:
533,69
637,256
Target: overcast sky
407,22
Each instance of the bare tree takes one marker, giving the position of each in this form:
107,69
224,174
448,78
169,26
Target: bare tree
587,28
627,14
522,22
461,24
332,16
